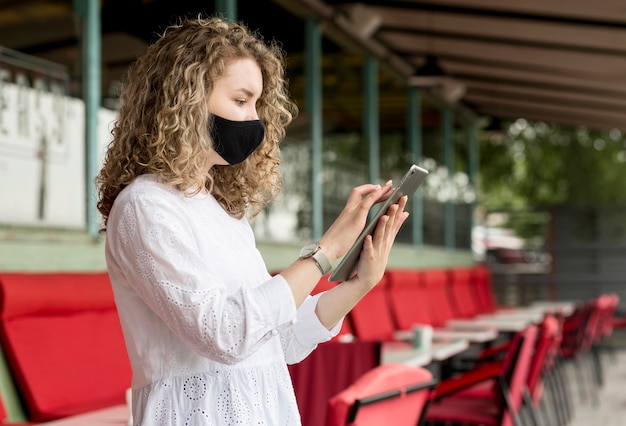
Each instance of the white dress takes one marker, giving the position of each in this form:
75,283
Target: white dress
208,330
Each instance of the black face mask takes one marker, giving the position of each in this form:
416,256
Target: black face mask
234,141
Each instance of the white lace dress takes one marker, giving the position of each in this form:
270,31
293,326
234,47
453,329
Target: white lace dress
208,330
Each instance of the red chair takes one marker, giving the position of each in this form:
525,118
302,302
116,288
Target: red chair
618,321
371,317
611,322
407,299
463,292
582,330
472,303
410,305
61,336
542,362
609,314
484,289
391,394
506,378
542,370
435,282
485,295
592,331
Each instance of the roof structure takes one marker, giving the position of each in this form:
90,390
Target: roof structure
548,60
538,59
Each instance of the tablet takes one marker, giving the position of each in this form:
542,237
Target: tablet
413,178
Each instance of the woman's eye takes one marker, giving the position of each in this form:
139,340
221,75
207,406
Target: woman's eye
240,101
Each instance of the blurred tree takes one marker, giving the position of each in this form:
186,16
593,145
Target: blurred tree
536,164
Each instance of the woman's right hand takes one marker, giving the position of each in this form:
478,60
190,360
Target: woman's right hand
343,232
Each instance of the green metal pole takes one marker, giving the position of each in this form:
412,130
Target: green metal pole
92,81
313,47
448,160
472,167
414,136
227,9
370,118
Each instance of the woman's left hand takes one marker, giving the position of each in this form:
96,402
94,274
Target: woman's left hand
335,303
376,247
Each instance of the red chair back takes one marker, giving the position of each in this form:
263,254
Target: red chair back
390,394
548,341
592,327
463,292
63,342
608,305
371,317
500,385
574,327
607,328
407,299
516,366
586,326
484,289
435,282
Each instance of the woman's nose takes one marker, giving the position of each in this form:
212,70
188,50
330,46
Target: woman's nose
252,114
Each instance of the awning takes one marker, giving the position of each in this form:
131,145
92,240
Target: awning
548,60
551,60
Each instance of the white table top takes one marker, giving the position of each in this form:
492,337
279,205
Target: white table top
392,353
478,335
533,315
443,350
404,352
565,306
113,416
474,336
506,325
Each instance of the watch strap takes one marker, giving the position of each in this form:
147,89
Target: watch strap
322,262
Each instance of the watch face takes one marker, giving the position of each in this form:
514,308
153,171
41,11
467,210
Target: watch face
308,249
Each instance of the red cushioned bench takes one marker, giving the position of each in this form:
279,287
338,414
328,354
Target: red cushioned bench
62,340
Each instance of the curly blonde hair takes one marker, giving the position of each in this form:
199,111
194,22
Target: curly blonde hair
162,124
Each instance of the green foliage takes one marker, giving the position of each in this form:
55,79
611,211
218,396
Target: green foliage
538,164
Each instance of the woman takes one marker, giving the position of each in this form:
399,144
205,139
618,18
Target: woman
195,151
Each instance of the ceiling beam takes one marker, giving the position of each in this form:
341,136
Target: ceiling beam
532,109
611,11
506,112
511,30
537,78
504,90
561,61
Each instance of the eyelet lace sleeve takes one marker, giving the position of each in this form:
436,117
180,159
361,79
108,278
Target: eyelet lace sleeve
306,333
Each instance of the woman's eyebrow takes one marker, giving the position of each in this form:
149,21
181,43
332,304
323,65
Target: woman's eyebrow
245,91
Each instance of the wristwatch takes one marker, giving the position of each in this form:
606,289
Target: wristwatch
313,250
